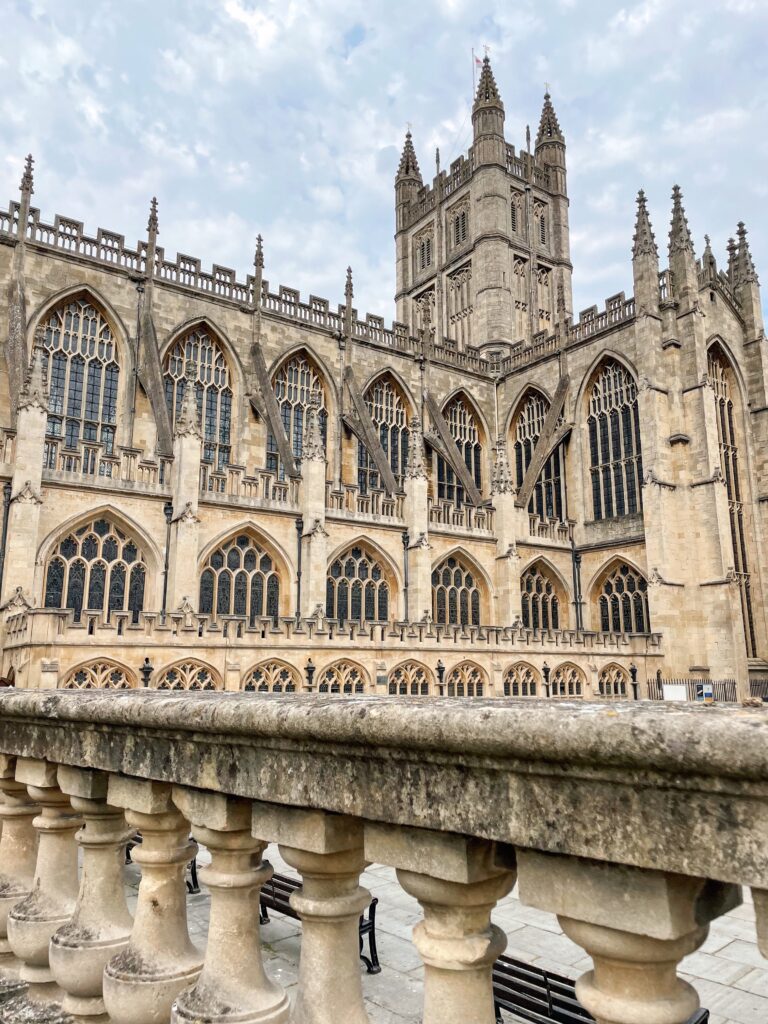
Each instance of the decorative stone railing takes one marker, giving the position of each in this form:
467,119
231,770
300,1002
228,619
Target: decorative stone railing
351,502
550,529
92,462
636,825
232,484
465,518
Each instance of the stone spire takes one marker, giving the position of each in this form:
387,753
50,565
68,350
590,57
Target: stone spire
27,179
487,91
488,120
258,271
314,446
414,467
745,267
187,422
645,243
34,392
152,233
501,478
549,127
409,165
679,233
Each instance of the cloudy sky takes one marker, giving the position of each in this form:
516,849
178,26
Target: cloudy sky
287,117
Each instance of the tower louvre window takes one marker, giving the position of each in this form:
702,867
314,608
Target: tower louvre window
542,230
424,252
460,227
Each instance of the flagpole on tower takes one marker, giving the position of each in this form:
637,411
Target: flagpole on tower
474,72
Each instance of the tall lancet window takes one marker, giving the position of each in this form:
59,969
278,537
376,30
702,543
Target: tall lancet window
294,384
614,443
465,430
389,412
728,418
548,496
83,375
200,356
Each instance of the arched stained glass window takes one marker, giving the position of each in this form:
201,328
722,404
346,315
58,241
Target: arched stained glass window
389,412
613,682
295,382
540,603
273,677
343,677
240,578
567,681
548,497
614,443
520,680
357,587
410,679
723,386
98,568
624,601
465,431
99,675
83,375
455,594
465,680
199,357
188,675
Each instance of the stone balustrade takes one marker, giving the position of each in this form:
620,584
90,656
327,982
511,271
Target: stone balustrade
636,825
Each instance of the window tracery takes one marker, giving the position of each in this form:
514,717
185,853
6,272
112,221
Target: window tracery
460,305
273,677
719,373
465,431
455,594
200,357
520,295
343,677
389,411
96,567
613,682
99,675
624,601
240,578
614,443
83,376
540,603
548,499
188,675
357,587
567,681
410,679
465,680
520,680
296,381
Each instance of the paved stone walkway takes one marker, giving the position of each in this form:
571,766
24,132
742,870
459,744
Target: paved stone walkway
728,971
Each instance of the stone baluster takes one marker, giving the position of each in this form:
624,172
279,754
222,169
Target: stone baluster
457,880
233,985
18,849
142,981
101,924
327,850
50,904
635,924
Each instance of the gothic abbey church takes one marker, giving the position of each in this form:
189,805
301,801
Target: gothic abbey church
214,483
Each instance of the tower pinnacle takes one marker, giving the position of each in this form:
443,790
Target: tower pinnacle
409,165
487,91
645,243
549,127
745,267
679,232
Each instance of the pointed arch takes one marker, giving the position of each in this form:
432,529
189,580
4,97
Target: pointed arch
390,409
242,575
717,341
99,674
298,377
548,496
151,551
212,327
462,393
469,430
605,355
360,585
344,677
619,598
272,676
567,680
461,590
544,596
188,674
97,299
466,679
522,680
390,371
613,682
302,348
376,550
518,402
410,678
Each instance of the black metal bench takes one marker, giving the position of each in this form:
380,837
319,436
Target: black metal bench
275,895
541,997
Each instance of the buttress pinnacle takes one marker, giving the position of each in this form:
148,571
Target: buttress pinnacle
679,232
645,243
27,179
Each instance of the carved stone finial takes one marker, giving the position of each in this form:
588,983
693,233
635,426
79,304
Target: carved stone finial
27,178
187,421
34,391
17,602
501,478
348,289
414,466
679,232
27,495
643,238
152,223
258,259
314,446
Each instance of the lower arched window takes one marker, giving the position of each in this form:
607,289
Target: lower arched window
540,603
99,675
624,601
188,675
613,682
466,680
343,677
411,679
455,594
96,567
356,587
520,681
567,681
273,677
240,578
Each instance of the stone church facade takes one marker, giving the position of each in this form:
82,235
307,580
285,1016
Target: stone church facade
209,483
